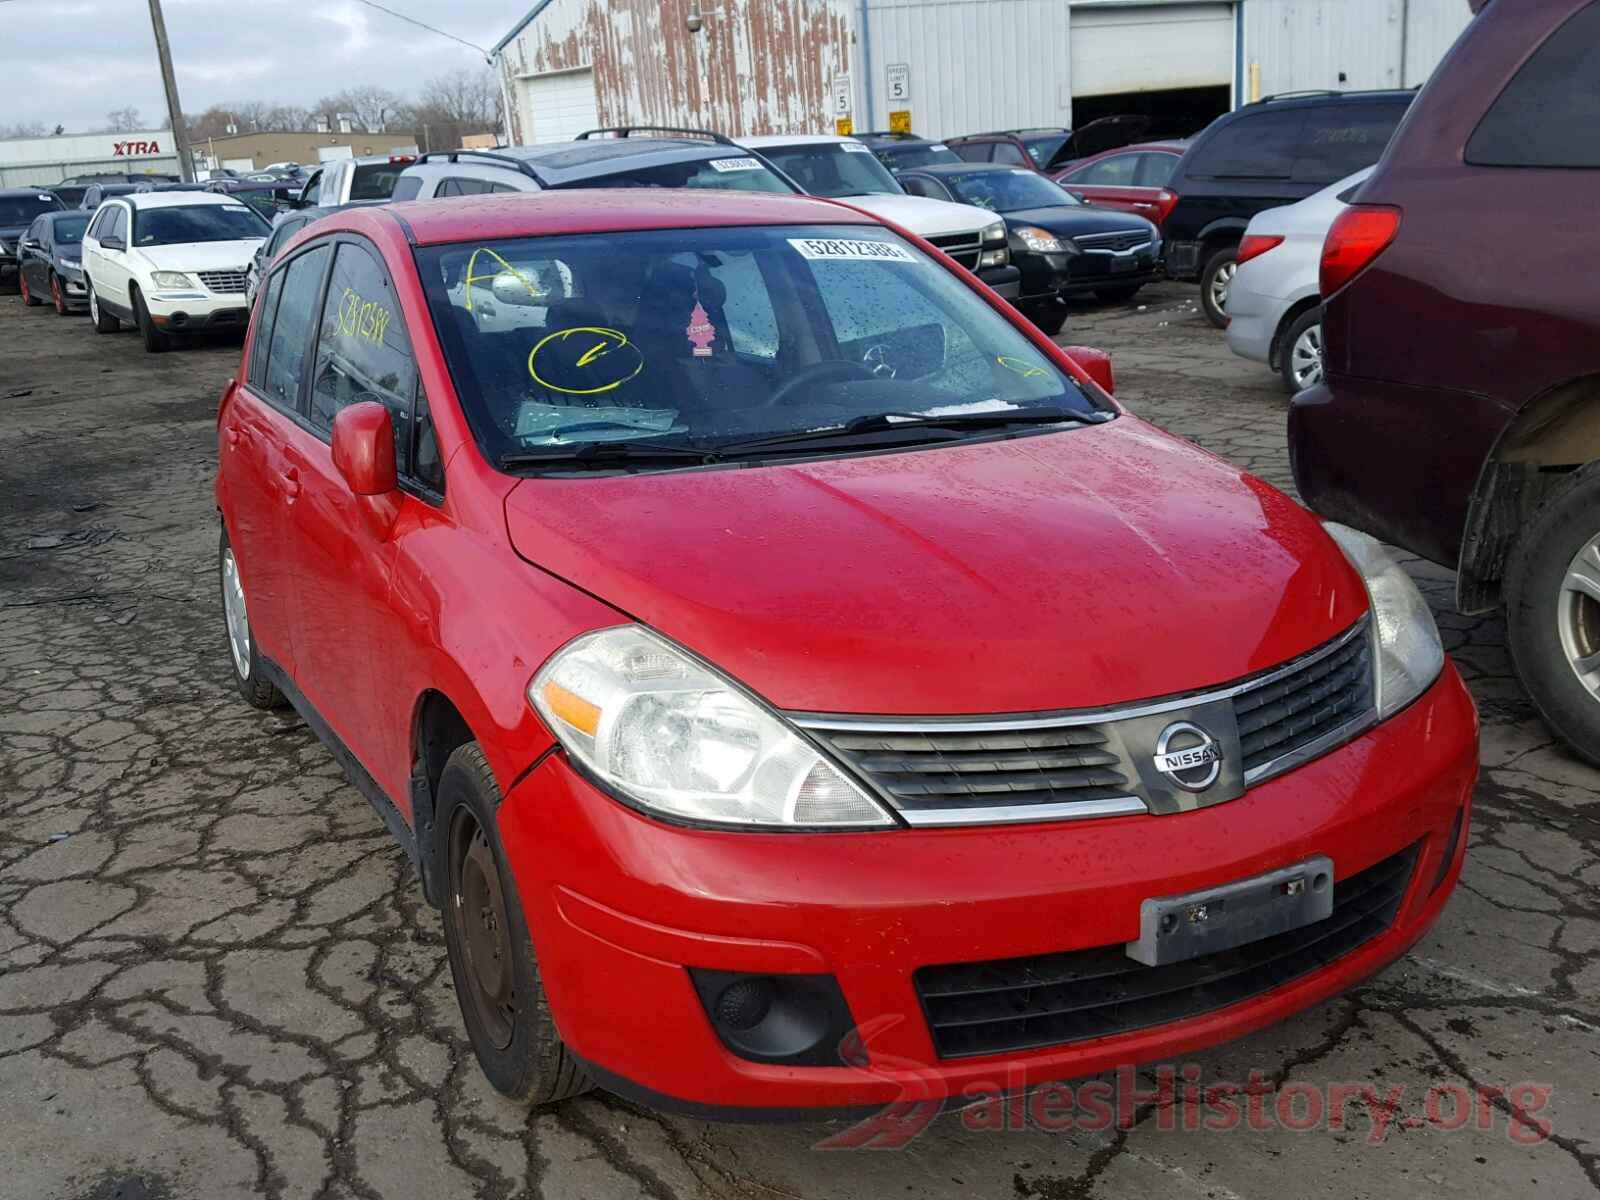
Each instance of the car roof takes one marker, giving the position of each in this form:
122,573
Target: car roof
13,192
604,210
179,199
1310,98
967,168
1166,146
775,140
568,164
1016,133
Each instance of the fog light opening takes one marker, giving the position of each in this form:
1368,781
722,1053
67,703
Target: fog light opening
745,1004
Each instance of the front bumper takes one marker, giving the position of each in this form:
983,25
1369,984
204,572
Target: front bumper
626,904
1007,281
195,310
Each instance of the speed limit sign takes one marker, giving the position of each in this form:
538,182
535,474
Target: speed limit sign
899,75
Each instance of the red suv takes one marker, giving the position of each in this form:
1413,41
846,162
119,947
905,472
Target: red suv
795,679
1460,416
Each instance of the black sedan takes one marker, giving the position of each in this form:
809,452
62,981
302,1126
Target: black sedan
18,208
1062,245
50,253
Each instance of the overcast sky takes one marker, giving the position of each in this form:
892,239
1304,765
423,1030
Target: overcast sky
73,61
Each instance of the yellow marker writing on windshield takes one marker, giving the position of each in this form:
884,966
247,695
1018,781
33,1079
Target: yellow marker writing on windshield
1027,370
609,374
504,268
593,353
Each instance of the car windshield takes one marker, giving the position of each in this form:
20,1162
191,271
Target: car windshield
704,338
733,173
68,231
1007,191
197,223
902,156
20,210
834,169
1042,149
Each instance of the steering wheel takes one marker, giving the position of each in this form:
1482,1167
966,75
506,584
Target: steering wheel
837,370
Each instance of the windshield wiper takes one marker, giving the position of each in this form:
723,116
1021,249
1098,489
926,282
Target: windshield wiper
896,421
603,453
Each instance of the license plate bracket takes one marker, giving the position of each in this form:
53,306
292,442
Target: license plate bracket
1177,928
1119,264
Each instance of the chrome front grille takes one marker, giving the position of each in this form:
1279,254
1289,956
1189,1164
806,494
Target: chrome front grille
963,247
1116,243
1070,765
224,282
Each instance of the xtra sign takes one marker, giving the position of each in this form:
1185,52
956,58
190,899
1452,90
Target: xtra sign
126,149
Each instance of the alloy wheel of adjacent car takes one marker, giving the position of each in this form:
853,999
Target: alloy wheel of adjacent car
155,340
1300,352
1553,611
492,959
28,297
57,296
104,322
1214,280
258,691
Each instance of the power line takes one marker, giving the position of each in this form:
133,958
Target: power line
487,57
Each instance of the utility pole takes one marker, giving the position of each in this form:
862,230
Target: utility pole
180,136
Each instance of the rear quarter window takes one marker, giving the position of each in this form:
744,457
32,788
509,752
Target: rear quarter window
1259,145
1338,139
1548,114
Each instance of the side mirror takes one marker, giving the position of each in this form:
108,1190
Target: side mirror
363,448
512,289
1096,365
113,243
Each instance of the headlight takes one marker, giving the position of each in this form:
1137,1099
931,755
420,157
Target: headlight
993,258
994,234
171,279
71,263
675,737
1409,653
1040,240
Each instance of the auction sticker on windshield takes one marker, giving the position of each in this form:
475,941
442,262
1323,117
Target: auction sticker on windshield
818,248
735,164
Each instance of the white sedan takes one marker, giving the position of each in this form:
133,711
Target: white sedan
170,262
1274,310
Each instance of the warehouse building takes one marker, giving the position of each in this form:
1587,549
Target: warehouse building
26,162
946,67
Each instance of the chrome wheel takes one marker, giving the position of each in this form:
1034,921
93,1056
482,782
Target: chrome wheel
233,609
1305,358
1219,285
1578,615
94,306
482,931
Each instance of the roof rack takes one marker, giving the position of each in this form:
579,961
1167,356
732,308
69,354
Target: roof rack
623,131
1330,92
521,166
891,133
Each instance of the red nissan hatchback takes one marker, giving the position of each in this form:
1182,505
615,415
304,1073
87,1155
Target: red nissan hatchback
793,676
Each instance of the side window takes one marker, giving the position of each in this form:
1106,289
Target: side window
313,192
1261,145
292,326
1011,154
407,187
504,187
920,185
95,222
362,351
261,344
425,465
35,231
117,223
464,187
974,151
447,187
1117,171
1154,170
1547,114
1341,138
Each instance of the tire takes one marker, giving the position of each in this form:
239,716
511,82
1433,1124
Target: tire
257,690
1300,351
1118,295
104,322
1214,280
1553,611
58,296
155,341
28,297
1049,319
491,956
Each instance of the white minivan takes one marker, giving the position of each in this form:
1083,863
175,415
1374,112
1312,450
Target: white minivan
170,262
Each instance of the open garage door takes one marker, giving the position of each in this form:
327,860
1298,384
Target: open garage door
558,106
1172,62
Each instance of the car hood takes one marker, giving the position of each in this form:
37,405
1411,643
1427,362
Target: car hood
925,217
1072,220
10,233
201,256
1082,568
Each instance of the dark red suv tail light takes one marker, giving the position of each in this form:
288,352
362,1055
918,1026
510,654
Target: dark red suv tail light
1359,234
1253,245
1166,201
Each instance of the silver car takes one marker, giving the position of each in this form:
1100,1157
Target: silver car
1274,311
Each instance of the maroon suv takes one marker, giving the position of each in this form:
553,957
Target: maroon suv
1461,413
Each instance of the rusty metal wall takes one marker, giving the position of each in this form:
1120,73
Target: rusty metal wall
757,66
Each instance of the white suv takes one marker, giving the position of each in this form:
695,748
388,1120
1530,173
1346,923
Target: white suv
845,169
170,262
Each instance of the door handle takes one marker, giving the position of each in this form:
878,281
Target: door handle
291,483
1143,204
233,435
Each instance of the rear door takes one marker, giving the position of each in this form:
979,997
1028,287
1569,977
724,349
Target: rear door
111,272
1112,182
261,487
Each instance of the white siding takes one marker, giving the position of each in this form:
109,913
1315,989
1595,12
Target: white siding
975,64
1119,49
1311,43
558,106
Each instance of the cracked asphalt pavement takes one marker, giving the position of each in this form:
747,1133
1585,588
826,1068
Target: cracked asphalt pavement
218,977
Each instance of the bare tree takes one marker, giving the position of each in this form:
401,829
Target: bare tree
465,97
370,109
122,120
23,129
